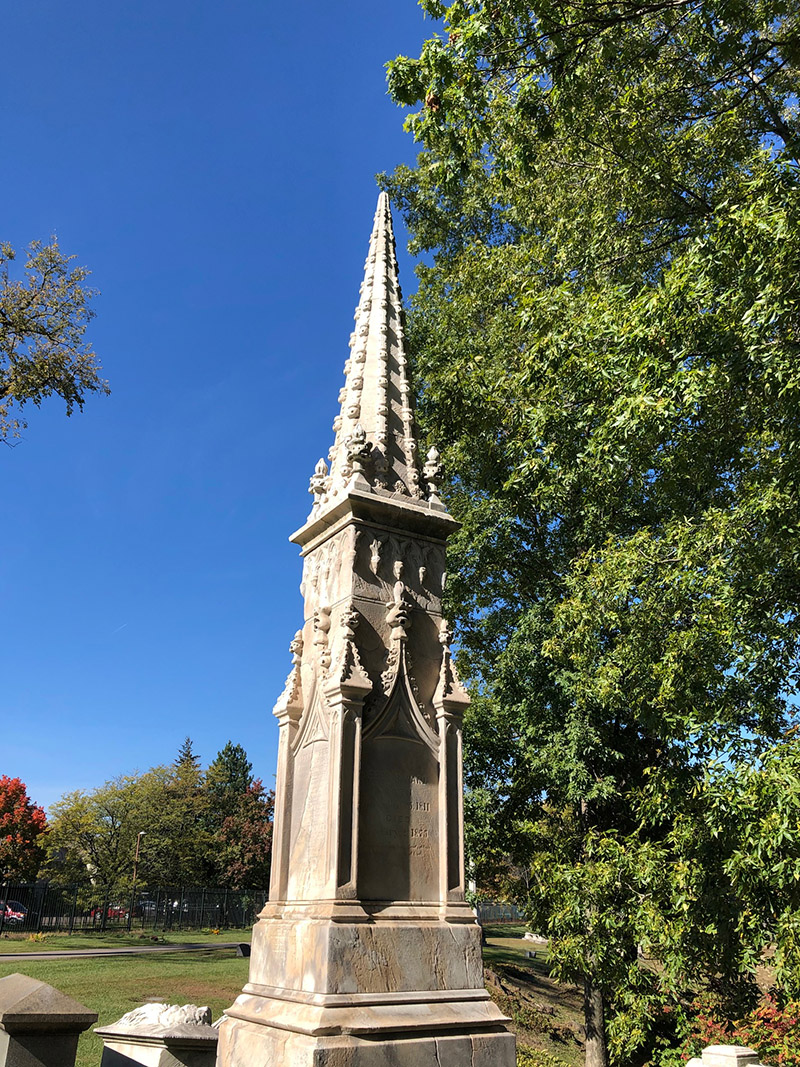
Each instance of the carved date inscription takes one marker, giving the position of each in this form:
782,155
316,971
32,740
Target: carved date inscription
398,853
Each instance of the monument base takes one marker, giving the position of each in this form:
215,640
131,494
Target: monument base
374,986
260,1032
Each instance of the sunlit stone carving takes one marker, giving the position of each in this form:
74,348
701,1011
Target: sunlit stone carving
367,954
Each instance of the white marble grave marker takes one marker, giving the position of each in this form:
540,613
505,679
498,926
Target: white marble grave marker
367,954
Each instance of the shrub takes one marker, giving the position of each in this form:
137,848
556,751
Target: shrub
773,1032
535,1057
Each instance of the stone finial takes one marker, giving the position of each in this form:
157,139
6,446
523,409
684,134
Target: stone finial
433,474
289,703
450,696
350,676
319,482
359,450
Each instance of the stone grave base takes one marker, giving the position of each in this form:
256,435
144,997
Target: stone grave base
394,985
320,951
250,1044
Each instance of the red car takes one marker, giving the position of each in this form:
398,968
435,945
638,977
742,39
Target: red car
13,912
114,911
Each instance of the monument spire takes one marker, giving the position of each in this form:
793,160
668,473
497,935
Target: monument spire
375,434
367,953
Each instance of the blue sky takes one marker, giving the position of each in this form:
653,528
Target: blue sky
213,165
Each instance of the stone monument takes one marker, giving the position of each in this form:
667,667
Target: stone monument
367,954
160,1035
39,1025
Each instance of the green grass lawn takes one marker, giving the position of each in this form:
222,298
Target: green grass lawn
112,985
504,944
115,939
545,1015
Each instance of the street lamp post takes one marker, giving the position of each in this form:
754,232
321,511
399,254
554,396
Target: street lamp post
139,837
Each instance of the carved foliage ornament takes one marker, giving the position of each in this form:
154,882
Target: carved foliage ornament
449,688
358,450
291,699
398,615
322,624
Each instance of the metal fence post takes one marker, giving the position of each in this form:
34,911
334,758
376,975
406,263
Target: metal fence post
155,913
72,912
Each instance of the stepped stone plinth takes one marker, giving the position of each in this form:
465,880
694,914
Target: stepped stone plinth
367,954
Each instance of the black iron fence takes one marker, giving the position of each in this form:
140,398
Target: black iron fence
45,907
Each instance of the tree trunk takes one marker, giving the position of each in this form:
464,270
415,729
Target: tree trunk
595,1025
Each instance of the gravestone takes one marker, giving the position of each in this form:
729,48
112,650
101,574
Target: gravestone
366,954
39,1025
160,1035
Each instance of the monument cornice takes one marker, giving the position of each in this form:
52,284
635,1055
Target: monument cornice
395,514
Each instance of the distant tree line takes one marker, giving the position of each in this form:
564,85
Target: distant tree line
193,827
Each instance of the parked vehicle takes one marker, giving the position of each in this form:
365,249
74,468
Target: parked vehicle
113,911
14,912
144,908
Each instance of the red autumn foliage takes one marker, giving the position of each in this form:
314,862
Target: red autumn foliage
22,827
247,839
771,1031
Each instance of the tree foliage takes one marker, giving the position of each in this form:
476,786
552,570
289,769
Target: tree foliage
23,825
228,778
606,335
191,836
43,318
246,839
187,760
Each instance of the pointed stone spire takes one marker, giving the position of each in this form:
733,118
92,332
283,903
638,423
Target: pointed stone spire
375,436
367,952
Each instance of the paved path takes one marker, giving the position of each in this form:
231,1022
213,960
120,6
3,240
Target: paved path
77,953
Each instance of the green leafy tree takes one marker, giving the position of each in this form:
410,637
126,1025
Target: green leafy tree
185,849
606,335
93,835
229,776
93,838
43,318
